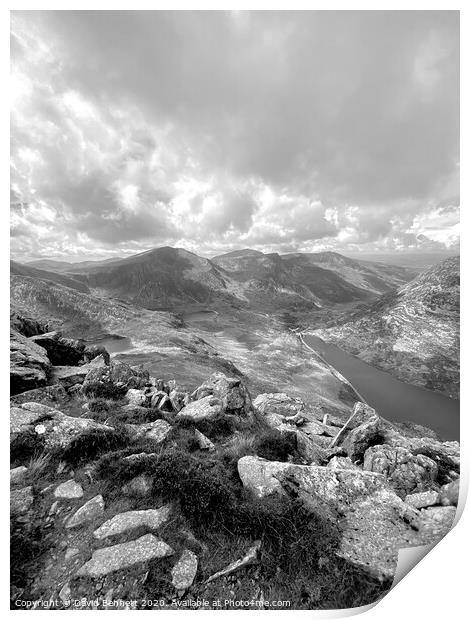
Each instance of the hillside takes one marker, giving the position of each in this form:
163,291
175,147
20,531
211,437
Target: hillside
412,333
18,269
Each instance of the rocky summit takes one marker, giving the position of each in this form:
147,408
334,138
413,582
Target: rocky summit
168,449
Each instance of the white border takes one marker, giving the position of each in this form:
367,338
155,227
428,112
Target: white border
437,587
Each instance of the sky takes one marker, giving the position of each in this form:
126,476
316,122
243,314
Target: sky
214,131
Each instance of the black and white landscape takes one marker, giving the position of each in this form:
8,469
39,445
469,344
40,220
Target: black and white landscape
234,325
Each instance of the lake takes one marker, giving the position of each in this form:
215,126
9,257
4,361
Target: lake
393,399
114,344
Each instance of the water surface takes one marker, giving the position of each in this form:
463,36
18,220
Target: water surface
393,399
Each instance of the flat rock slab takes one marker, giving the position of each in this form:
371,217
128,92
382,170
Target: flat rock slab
157,431
422,500
127,521
124,555
69,490
93,509
184,571
21,500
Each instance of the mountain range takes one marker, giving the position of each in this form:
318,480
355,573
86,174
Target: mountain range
166,277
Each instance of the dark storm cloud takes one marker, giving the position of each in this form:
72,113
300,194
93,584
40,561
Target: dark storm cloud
341,126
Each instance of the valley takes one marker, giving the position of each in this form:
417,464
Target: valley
196,400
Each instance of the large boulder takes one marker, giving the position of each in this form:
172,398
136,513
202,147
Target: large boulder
206,408
232,393
51,395
406,472
93,350
449,493
117,376
278,403
51,428
362,436
29,364
61,351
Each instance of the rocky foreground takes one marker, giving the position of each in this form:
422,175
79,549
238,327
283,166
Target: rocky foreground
127,490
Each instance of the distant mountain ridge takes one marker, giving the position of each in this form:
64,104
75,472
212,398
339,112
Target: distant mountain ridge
412,332
165,277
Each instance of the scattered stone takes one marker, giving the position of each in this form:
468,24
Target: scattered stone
204,442
69,490
136,397
140,486
205,408
184,571
406,473
71,553
53,509
250,558
449,493
230,391
116,374
423,499
127,521
17,475
124,555
259,475
93,509
157,431
21,500
178,399
278,403
361,437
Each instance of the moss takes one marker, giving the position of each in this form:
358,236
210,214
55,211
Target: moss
87,445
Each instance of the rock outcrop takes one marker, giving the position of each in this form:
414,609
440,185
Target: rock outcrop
29,364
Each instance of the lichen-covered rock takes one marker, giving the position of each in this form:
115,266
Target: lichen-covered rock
278,403
136,397
53,428
29,364
21,500
205,408
184,571
259,475
329,492
128,521
93,351
93,509
125,555
231,391
69,490
406,473
449,493
157,431
50,395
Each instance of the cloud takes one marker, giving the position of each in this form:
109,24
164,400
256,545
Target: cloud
219,129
